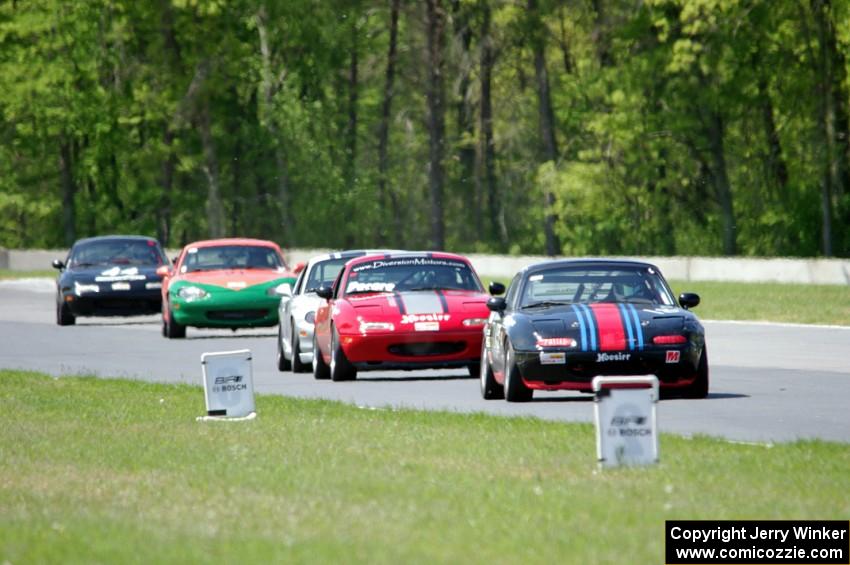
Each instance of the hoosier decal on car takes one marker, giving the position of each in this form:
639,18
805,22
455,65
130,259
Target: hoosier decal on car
605,357
414,318
672,357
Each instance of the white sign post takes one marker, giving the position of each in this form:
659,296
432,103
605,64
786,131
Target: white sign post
626,430
228,384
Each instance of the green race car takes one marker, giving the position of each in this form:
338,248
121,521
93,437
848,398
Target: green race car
223,283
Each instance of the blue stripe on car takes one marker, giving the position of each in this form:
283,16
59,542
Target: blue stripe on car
638,328
582,327
591,325
624,314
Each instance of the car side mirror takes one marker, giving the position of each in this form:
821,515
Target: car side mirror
497,304
174,260
299,267
325,292
163,271
284,290
688,300
58,264
496,288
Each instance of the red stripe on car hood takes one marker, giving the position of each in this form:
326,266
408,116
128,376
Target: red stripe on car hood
612,335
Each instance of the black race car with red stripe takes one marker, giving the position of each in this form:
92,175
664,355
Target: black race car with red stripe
399,311
564,322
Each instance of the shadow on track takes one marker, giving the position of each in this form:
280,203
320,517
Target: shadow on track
118,323
227,336
415,378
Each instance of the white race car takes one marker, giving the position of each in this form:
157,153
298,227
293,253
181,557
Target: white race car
298,306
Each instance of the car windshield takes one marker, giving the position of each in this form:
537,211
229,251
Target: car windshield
142,252
231,257
411,274
571,285
324,273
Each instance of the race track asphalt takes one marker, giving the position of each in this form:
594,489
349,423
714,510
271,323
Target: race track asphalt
769,382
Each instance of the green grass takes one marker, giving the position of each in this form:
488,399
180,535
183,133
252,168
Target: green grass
773,302
769,302
9,274
119,471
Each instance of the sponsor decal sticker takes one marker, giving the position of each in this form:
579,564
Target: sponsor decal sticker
236,285
672,357
407,261
556,342
414,318
427,326
553,358
356,286
606,357
229,383
117,274
121,286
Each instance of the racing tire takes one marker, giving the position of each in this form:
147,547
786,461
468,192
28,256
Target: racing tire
172,329
490,389
321,371
297,365
283,363
341,368
699,388
64,317
515,389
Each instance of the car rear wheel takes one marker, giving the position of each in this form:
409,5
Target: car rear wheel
699,388
341,367
172,329
515,389
297,365
283,363
490,389
320,368
64,317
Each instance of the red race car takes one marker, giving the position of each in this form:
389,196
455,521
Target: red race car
400,311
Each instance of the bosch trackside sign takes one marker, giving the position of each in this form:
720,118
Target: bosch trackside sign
228,384
626,432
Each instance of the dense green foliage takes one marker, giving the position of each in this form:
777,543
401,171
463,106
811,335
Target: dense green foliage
618,127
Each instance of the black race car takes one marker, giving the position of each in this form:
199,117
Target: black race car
564,322
109,276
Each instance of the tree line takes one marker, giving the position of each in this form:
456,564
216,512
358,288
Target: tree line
692,127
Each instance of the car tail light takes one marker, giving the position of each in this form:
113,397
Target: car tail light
669,339
556,342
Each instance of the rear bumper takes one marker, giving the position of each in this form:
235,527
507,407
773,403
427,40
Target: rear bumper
579,368
413,350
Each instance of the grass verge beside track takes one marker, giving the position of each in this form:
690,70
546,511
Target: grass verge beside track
119,471
8,274
768,302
